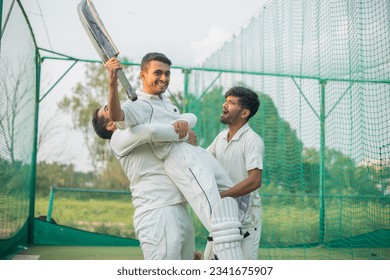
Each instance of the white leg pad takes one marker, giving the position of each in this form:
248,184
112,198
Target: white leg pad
226,232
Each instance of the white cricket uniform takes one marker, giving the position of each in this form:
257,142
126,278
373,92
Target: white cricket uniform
161,221
244,152
181,160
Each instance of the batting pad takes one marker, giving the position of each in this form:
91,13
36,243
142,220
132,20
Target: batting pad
226,230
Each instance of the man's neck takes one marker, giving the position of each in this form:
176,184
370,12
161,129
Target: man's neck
158,95
233,128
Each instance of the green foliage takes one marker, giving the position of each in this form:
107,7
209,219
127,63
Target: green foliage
208,109
60,175
63,175
311,166
15,176
15,186
6,171
288,166
283,150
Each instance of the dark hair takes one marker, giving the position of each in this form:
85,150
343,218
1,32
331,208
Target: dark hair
248,99
99,125
154,56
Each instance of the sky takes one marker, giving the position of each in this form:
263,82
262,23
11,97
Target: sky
187,31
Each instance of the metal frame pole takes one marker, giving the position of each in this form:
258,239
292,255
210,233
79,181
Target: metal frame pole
322,165
1,15
185,97
35,149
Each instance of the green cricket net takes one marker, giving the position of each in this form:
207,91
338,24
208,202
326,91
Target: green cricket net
321,71
17,107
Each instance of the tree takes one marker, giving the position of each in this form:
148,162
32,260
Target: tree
15,112
311,167
288,167
283,153
208,109
60,175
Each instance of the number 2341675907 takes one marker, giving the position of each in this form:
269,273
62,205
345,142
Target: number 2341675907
242,270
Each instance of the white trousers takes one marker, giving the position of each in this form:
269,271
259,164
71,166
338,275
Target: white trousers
166,233
250,244
197,173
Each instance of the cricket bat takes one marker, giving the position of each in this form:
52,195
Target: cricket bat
101,40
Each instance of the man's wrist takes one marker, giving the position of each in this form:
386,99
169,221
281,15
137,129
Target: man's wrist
113,81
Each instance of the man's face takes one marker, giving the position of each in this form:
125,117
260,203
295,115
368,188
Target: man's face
156,77
103,112
231,110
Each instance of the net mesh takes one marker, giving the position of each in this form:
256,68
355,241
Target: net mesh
17,86
321,71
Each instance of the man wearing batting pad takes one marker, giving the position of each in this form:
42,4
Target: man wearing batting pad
161,220
182,162
240,150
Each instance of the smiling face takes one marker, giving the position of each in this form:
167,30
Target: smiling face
155,77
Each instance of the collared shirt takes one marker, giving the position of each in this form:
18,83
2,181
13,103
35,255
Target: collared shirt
244,152
147,109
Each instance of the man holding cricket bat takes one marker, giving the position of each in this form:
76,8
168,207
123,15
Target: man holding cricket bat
183,162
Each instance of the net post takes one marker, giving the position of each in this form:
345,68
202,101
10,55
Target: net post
34,149
51,202
322,165
1,19
186,81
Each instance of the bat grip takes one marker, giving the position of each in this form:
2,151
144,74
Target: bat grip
126,85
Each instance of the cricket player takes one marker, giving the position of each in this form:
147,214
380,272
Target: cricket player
183,162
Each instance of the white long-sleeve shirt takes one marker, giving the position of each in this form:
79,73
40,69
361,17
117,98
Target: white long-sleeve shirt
149,109
150,186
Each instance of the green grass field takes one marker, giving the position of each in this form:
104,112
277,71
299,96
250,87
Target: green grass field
287,224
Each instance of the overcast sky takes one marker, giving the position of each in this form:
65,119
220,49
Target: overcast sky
186,30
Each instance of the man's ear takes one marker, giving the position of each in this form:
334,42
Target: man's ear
110,125
245,113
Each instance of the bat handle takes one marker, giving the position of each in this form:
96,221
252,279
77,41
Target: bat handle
126,85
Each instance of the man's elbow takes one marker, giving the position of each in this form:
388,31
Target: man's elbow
257,183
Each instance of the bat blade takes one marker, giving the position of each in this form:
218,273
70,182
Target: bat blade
101,40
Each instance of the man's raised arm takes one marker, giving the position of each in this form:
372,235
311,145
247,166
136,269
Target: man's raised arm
114,105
